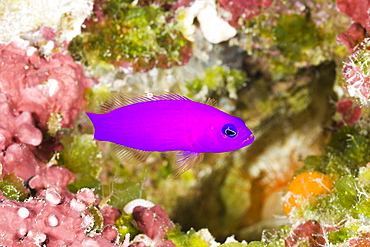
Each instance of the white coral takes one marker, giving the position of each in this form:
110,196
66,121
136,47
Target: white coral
23,16
214,29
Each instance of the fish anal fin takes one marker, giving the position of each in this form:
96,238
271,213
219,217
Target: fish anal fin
116,99
211,102
185,160
129,155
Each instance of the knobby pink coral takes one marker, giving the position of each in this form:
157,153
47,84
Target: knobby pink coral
33,88
352,36
155,223
52,219
42,86
16,126
357,10
18,159
350,113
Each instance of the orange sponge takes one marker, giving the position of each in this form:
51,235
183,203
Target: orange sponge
304,187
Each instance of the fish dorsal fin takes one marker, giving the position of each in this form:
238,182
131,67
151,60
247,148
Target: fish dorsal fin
119,99
211,102
129,155
185,160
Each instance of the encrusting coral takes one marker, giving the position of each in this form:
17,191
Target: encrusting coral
42,86
44,200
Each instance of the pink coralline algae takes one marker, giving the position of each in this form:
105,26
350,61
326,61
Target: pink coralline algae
242,9
18,159
42,86
352,36
56,177
32,89
358,11
17,134
16,126
155,223
56,217
350,113
309,232
360,241
52,219
357,74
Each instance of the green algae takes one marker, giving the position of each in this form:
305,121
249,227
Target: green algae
239,245
219,79
234,194
98,220
251,244
119,192
345,159
294,34
12,187
345,153
362,56
296,37
190,238
139,37
125,225
340,236
86,170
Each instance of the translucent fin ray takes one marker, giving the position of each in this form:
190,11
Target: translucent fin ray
117,100
129,155
211,102
186,160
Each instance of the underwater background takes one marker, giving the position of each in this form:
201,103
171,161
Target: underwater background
297,73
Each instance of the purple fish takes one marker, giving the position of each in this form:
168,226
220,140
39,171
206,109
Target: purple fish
164,122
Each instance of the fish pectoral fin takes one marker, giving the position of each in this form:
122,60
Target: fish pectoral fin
185,160
129,155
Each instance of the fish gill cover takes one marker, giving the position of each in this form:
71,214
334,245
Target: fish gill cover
296,72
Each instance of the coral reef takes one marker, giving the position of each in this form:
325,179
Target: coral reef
27,76
275,64
55,216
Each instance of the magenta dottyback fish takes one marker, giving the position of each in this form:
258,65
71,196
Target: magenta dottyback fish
163,122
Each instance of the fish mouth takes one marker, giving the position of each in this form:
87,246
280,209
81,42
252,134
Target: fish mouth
248,140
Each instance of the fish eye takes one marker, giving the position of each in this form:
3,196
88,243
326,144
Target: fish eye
229,130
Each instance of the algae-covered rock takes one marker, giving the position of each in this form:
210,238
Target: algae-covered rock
86,169
136,38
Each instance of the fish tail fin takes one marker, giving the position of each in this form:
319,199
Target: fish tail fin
98,123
